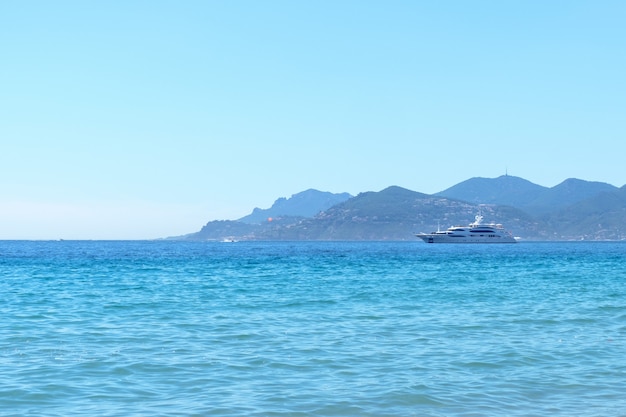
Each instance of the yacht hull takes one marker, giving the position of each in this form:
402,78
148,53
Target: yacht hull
434,238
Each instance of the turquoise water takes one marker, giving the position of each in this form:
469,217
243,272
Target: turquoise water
312,329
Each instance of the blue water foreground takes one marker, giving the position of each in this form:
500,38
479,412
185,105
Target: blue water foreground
146,328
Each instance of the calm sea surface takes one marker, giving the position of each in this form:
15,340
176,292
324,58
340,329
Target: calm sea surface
312,329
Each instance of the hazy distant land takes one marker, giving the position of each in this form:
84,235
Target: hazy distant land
572,210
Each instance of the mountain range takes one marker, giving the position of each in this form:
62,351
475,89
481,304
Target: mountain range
572,210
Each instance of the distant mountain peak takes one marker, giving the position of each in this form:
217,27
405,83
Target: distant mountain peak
307,203
506,190
397,191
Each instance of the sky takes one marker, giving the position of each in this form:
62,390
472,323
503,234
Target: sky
148,119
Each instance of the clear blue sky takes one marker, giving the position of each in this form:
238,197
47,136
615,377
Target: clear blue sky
146,119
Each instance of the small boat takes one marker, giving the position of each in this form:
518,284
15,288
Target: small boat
476,232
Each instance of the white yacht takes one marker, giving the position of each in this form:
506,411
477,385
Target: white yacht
476,232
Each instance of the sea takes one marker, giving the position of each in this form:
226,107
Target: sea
167,328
